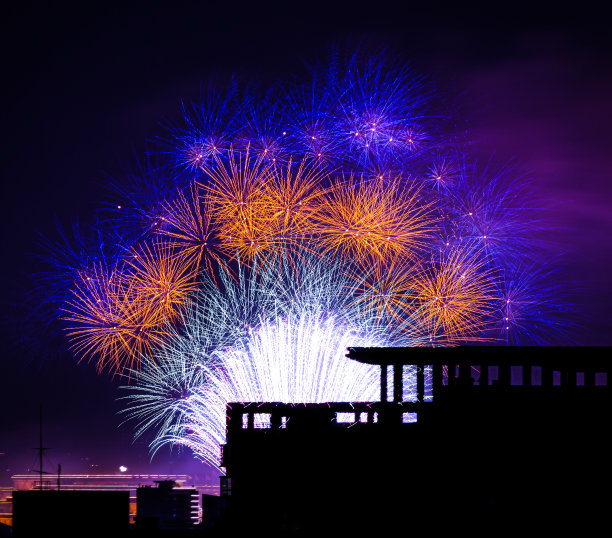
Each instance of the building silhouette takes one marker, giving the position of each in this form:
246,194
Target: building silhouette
96,482
481,439
42,513
166,507
95,504
213,510
489,438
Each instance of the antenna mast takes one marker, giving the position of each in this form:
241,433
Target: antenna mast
40,449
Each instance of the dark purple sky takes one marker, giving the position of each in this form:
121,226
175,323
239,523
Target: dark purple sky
84,88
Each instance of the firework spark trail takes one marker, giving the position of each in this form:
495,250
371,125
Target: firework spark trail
499,211
235,188
161,278
159,400
293,197
263,130
388,291
189,229
455,294
110,321
75,256
205,131
290,347
530,301
374,219
378,107
286,360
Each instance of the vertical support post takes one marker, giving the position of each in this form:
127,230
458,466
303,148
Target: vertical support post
503,374
398,383
40,453
436,379
465,375
420,382
383,382
526,375
570,376
450,374
275,420
547,375
483,379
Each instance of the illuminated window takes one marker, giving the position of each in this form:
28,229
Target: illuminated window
262,420
345,418
428,386
409,383
409,418
516,375
245,421
363,417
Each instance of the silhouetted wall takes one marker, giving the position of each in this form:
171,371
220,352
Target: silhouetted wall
70,513
490,448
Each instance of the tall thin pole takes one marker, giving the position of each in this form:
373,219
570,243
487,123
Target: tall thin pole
40,450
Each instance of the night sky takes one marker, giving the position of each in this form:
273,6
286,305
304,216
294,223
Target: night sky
84,88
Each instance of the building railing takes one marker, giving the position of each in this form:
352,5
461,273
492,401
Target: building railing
487,368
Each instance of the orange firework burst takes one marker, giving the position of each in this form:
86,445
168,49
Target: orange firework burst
291,197
455,295
189,229
162,279
110,321
238,205
374,219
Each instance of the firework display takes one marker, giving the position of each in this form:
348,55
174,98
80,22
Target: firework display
276,230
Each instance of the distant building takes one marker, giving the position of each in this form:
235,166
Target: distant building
41,513
98,482
490,436
6,506
213,508
166,506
